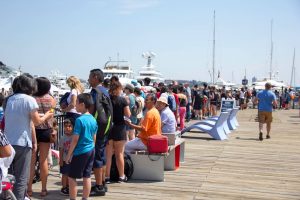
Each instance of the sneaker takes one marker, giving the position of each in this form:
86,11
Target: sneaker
107,180
97,190
122,180
261,136
268,137
64,191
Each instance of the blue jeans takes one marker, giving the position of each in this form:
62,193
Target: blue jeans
20,168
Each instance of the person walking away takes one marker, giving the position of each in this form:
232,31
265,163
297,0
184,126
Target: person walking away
81,153
266,100
64,146
254,93
198,102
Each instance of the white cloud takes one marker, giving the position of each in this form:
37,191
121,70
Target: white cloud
131,6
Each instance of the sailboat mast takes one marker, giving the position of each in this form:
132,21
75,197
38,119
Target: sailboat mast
271,53
213,53
293,76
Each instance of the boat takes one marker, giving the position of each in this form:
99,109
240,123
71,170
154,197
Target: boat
122,69
7,75
58,82
149,70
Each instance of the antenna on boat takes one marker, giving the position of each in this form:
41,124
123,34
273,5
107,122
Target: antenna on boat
213,53
149,56
271,53
293,75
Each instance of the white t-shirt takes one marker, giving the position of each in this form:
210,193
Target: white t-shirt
76,93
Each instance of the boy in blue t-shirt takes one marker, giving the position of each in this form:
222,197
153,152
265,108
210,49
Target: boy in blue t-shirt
81,153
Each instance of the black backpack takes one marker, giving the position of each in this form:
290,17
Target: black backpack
103,113
63,103
128,168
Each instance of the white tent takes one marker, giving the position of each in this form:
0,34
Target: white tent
261,84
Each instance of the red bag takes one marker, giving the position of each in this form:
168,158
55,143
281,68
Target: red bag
157,144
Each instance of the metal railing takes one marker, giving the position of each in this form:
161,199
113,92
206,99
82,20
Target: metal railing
60,128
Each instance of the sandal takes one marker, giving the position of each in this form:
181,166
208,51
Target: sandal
44,193
29,193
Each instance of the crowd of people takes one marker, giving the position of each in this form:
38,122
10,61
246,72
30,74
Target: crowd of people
139,110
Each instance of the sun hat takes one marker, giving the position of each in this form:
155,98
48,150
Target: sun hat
163,100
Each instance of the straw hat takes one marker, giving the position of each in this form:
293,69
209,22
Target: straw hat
163,100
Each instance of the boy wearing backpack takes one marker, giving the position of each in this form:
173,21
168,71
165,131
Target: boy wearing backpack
81,153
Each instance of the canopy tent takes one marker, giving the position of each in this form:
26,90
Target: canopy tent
276,84
222,82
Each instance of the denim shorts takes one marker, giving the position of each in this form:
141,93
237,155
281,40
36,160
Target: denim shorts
100,154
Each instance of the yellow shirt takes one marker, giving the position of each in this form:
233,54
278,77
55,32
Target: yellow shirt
151,124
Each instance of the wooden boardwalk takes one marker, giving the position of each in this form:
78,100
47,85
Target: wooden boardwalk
240,168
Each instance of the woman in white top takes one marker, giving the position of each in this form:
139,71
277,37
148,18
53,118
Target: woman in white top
76,89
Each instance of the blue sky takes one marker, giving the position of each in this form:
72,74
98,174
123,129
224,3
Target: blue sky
75,36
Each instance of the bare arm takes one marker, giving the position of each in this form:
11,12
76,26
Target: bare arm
33,136
136,127
61,152
127,111
71,104
37,120
5,151
74,142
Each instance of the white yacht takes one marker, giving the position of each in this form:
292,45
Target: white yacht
7,75
149,70
121,69
59,80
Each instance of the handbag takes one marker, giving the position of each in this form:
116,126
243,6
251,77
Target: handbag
157,144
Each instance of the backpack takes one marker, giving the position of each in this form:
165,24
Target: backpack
172,102
103,113
128,168
63,103
137,107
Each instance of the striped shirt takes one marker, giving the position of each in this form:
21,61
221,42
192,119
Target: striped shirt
3,140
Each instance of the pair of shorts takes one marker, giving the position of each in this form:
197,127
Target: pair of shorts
81,165
118,133
100,153
65,169
265,117
43,135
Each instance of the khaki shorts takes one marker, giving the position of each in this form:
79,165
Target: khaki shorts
264,117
